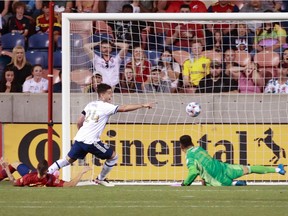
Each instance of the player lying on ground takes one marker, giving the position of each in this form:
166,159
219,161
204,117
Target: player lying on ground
214,172
38,178
91,124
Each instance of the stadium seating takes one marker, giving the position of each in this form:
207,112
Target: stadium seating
10,40
39,42
102,27
82,77
36,57
82,28
98,36
242,58
268,62
153,56
155,42
57,57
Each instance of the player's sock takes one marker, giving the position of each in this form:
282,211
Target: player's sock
3,173
58,165
262,169
107,167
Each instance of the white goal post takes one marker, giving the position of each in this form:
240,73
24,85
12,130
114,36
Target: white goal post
223,117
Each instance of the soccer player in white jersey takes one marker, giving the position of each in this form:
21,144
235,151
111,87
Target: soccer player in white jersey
91,124
107,65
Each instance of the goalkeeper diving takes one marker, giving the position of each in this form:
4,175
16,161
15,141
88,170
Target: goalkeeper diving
214,172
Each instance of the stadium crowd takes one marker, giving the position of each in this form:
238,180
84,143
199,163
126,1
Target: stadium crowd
144,56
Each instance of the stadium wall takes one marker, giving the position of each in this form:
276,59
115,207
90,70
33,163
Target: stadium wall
219,108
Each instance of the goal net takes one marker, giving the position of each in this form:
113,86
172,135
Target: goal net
233,65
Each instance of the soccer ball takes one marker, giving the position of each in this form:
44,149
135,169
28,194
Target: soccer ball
193,109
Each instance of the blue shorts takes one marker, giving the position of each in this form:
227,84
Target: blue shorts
23,169
100,150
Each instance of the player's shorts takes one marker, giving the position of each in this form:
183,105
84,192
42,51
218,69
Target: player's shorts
23,169
234,171
79,150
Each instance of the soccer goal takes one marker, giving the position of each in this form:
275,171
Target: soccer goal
249,127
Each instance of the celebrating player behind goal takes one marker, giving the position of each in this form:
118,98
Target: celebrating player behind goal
91,124
214,172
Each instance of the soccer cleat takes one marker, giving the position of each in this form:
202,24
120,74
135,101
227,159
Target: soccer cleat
281,171
104,182
241,183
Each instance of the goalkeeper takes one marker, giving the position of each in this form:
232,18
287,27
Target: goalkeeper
214,172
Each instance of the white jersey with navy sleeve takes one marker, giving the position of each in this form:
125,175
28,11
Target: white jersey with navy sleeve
97,114
109,70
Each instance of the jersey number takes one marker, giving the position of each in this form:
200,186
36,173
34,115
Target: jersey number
91,116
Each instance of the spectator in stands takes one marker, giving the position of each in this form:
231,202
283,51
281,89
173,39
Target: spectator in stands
33,8
64,6
144,6
107,65
18,23
8,83
256,6
195,6
37,84
129,31
271,36
84,6
42,22
280,84
127,82
170,68
162,5
96,79
181,34
240,39
155,82
195,69
140,65
229,62
221,6
22,69
285,56
111,6
249,78
58,25
5,10
217,81
136,6
217,44
74,87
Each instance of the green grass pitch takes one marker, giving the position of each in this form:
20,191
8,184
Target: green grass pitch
144,201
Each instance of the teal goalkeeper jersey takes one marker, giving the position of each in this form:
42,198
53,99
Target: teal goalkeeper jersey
212,171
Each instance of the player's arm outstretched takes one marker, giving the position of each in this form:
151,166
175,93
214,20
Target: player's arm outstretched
132,107
4,165
75,180
193,173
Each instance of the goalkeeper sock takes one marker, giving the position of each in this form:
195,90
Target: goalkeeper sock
262,169
3,173
58,165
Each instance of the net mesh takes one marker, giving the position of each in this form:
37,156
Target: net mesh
235,70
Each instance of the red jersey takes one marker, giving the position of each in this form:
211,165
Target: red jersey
31,180
194,29
42,24
54,182
141,70
228,8
195,7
